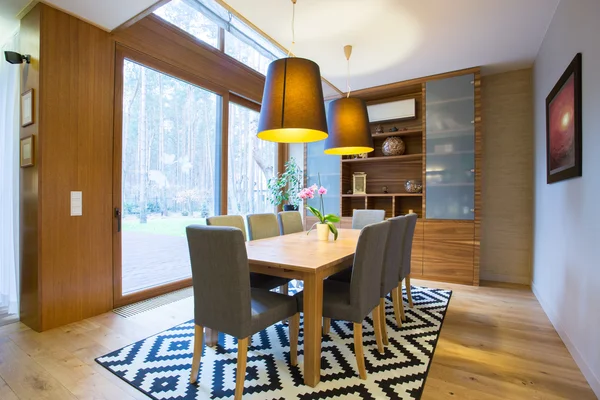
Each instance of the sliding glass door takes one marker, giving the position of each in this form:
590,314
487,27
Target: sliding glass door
169,177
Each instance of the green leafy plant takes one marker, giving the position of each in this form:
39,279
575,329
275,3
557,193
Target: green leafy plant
328,219
285,186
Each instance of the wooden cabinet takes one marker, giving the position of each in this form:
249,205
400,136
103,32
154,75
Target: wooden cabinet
416,265
448,250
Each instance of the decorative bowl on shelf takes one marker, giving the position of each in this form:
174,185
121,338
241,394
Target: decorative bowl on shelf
413,186
393,146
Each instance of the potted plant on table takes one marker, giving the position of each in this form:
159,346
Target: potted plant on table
284,187
326,222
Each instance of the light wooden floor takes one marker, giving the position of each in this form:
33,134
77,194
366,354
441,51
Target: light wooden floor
496,343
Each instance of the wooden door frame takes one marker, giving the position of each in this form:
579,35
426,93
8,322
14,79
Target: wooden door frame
122,53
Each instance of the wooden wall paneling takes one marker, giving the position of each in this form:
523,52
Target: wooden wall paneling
416,261
76,101
165,42
507,190
30,185
478,176
448,250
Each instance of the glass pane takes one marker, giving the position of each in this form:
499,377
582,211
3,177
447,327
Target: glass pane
169,173
246,54
450,148
251,163
328,167
184,16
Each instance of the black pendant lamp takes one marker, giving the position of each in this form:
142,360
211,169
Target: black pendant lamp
293,109
348,123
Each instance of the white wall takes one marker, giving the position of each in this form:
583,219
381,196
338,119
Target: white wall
566,269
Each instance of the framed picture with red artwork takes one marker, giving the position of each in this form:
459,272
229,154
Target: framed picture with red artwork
563,125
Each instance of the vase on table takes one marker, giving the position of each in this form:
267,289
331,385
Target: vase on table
323,232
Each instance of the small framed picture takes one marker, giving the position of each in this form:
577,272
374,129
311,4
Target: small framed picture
27,151
359,183
27,108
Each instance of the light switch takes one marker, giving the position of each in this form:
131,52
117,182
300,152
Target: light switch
76,204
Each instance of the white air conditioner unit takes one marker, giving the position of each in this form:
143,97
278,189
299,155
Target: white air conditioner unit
394,110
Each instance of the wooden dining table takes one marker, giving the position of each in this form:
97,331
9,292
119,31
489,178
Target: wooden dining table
302,256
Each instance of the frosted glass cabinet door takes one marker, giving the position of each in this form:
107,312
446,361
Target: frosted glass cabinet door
328,166
450,159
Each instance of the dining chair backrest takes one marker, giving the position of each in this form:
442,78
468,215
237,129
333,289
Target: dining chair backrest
221,279
362,218
262,226
289,222
408,244
394,254
365,283
237,221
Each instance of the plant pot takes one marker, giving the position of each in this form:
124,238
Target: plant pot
289,207
323,231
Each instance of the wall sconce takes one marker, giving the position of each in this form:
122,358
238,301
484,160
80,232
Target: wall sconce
15,58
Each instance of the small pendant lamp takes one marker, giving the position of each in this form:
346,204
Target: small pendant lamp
293,109
348,123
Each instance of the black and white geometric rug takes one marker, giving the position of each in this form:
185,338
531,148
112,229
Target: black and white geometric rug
159,366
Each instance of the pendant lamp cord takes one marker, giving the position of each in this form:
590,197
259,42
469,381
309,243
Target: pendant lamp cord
293,29
348,80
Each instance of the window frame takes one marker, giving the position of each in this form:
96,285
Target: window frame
122,53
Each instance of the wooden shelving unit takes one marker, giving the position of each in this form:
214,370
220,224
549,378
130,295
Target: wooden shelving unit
407,157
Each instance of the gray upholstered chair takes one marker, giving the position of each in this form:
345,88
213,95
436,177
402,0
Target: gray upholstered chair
392,267
289,222
362,218
259,281
237,221
262,226
354,300
408,244
223,299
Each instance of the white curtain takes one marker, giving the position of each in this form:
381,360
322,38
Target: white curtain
9,181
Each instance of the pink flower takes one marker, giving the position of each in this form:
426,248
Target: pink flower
322,191
306,193
302,194
314,187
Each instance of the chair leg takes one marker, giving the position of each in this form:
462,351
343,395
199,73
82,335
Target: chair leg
198,337
408,294
294,329
396,301
241,368
358,350
377,327
384,336
283,289
402,315
326,325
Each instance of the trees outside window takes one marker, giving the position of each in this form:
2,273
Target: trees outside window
251,162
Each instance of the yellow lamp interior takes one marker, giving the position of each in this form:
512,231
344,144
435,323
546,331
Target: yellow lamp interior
292,135
344,151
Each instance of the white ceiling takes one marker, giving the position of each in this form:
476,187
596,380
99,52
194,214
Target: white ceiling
107,14
395,40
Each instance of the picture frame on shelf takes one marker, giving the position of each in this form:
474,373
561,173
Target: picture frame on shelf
27,108
564,125
27,153
359,183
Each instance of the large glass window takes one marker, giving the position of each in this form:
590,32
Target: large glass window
185,16
169,178
204,18
251,162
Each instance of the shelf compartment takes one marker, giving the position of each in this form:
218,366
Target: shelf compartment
382,203
406,157
384,195
407,132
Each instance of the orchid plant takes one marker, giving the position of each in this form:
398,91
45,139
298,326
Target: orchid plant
328,219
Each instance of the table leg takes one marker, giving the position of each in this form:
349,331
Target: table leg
211,337
313,314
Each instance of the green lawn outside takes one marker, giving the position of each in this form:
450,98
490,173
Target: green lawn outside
171,226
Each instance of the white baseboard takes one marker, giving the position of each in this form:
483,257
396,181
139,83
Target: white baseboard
579,360
490,276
